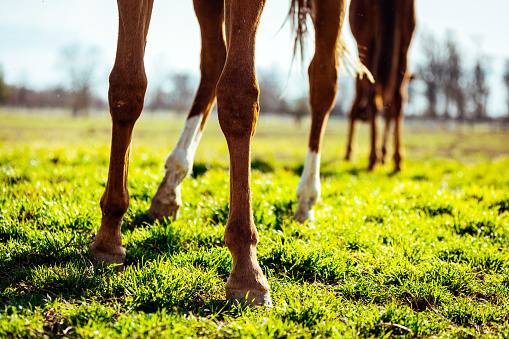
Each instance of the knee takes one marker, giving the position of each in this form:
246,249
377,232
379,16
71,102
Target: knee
126,94
237,104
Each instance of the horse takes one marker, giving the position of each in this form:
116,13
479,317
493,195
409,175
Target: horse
383,31
228,33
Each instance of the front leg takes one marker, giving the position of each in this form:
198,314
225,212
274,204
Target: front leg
237,103
167,201
128,84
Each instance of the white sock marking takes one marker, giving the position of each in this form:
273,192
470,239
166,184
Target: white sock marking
308,190
179,163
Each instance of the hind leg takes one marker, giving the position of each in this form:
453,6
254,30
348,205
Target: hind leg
357,110
373,122
167,200
387,131
327,18
398,127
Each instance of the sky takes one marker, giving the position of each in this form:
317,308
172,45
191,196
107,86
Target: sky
34,32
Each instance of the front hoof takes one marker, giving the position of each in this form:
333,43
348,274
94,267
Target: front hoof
160,212
100,258
107,255
249,297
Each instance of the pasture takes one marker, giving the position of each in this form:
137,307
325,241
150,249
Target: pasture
421,253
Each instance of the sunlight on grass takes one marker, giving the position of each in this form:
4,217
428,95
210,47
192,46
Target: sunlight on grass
420,253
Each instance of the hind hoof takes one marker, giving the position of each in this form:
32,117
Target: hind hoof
161,212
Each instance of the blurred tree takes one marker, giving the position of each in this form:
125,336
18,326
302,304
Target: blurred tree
158,99
4,88
453,90
80,66
299,108
344,96
412,93
431,72
182,94
270,91
479,91
506,82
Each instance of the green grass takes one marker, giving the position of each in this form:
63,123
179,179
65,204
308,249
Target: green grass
418,254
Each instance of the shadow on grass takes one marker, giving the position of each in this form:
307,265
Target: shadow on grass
331,169
262,165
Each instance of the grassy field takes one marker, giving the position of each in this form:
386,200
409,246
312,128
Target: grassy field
423,253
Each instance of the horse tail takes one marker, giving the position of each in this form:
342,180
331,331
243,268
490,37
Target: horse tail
298,13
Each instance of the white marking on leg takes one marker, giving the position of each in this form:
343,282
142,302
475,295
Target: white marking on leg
179,164
308,190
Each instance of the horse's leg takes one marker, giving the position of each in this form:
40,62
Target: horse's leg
387,130
351,135
354,113
237,104
373,122
398,126
327,18
402,81
397,112
126,94
167,201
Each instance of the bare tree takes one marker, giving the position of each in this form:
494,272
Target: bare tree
158,99
506,82
344,96
299,108
431,72
453,73
479,90
271,100
181,95
4,88
80,66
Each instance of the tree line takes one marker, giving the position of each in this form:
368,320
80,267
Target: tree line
445,87
451,89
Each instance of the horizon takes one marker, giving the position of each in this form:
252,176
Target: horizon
33,33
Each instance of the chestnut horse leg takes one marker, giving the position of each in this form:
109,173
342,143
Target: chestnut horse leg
327,18
126,94
351,135
397,109
167,201
237,105
408,28
398,148
388,123
357,106
373,121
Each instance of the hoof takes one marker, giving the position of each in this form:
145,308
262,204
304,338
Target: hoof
249,297
304,218
160,212
105,259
